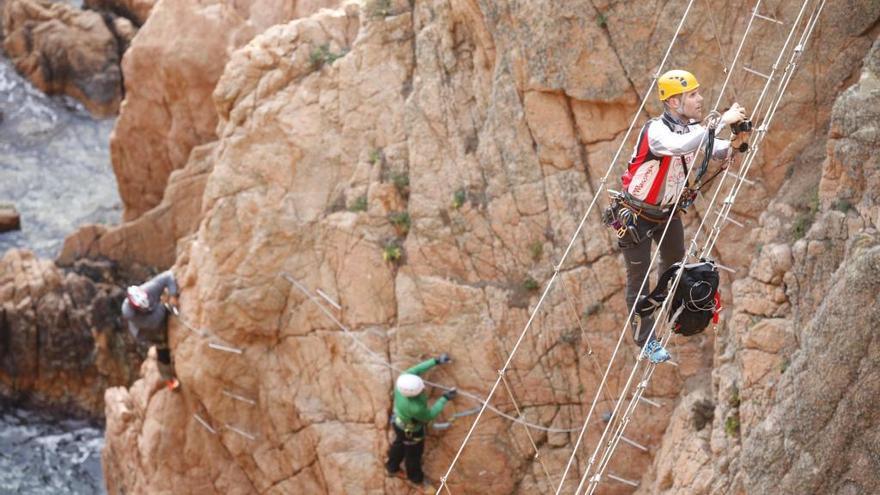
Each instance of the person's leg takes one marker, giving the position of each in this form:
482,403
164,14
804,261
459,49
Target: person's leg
672,248
395,451
637,258
415,447
163,353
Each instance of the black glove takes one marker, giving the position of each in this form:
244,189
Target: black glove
443,358
450,394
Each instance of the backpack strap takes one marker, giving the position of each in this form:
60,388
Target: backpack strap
648,304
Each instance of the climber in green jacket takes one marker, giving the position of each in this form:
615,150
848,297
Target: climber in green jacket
411,414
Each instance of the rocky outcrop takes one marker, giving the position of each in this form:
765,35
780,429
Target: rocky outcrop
151,239
61,339
137,11
9,218
63,50
170,74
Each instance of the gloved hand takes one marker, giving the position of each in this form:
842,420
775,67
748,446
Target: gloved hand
734,114
450,394
443,358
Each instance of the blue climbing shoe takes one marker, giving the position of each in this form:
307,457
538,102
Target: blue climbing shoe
656,353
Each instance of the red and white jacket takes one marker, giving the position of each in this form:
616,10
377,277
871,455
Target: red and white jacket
666,148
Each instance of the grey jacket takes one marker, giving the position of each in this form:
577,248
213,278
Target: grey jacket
155,317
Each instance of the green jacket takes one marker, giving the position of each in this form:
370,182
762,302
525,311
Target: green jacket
414,412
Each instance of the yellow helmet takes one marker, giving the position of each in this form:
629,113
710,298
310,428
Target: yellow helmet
675,82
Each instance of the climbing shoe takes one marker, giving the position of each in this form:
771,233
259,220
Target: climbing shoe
656,353
172,384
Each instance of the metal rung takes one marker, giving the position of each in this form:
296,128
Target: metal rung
634,444
441,426
753,71
239,398
673,363
650,402
622,480
240,432
224,348
759,16
725,268
738,224
747,181
327,298
205,424
467,412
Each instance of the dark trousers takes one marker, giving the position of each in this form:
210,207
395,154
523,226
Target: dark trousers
407,447
638,258
159,338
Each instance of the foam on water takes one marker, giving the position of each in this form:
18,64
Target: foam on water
40,455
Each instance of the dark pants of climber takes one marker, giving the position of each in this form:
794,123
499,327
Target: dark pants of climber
408,448
159,338
638,258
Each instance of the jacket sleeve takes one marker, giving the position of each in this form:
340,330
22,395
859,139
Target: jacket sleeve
720,149
425,415
422,367
664,142
160,282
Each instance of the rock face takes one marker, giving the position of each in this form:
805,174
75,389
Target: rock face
424,166
137,11
170,74
61,339
63,50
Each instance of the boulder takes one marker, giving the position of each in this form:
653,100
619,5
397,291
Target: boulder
63,50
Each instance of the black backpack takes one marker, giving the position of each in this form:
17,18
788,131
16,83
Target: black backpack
697,296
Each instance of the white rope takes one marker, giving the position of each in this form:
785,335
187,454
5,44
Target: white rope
594,480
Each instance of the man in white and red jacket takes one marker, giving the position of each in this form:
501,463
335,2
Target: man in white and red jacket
654,180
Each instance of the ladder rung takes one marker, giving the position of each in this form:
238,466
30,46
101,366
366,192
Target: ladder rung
224,348
759,16
747,181
634,443
650,402
240,432
673,363
725,268
239,398
623,480
328,299
738,224
753,71
205,424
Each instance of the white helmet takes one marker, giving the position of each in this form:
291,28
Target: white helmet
138,298
410,385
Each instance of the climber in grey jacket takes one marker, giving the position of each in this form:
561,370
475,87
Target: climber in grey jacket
147,318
